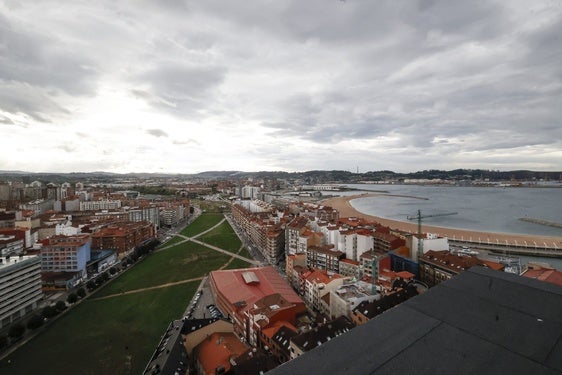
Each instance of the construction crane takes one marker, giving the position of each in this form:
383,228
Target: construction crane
420,216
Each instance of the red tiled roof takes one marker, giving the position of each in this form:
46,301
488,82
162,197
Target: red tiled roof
217,349
548,275
231,285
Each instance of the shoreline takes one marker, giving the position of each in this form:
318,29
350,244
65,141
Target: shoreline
344,207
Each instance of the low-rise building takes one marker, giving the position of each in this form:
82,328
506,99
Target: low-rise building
348,296
319,335
368,310
438,266
255,299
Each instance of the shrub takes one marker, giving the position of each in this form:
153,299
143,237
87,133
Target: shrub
35,322
81,292
60,306
16,331
49,312
3,341
72,298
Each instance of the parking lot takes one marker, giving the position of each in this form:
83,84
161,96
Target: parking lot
197,308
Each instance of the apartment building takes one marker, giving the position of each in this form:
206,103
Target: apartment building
438,266
99,205
123,237
324,257
20,287
66,254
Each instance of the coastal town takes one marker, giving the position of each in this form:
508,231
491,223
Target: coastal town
304,268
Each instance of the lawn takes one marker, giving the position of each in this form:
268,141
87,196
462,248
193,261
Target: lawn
238,263
202,223
222,236
112,336
118,335
181,262
172,241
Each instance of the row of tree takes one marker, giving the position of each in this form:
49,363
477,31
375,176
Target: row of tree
17,330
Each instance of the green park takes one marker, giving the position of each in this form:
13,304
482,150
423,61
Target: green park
116,329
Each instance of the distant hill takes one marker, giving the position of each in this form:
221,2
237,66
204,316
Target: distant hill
307,177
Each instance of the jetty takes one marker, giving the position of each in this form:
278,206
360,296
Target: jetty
541,222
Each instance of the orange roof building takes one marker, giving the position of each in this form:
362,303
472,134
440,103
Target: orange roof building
255,299
216,353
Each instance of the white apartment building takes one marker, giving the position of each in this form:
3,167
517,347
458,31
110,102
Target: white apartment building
10,245
100,205
20,287
430,242
348,296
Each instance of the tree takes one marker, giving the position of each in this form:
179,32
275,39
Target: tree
60,306
72,298
112,270
34,322
81,292
3,341
91,285
49,312
16,331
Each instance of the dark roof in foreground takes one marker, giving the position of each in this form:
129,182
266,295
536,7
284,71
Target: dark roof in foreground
479,322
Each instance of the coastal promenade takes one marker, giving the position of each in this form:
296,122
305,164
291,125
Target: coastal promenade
549,246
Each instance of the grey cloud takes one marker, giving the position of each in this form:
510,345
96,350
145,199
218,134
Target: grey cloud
180,88
186,142
67,148
157,133
6,121
33,62
36,103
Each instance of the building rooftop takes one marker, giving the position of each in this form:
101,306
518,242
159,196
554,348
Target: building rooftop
322,334
8,261
232,285
480,321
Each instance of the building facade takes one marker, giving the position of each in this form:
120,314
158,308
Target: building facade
20,287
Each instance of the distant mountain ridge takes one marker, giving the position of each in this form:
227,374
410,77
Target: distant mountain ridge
313,176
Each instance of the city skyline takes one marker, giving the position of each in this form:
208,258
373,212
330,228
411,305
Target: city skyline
186,87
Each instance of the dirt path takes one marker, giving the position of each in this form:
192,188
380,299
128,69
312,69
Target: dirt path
148,288
187,239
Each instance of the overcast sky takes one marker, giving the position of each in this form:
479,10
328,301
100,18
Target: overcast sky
189,86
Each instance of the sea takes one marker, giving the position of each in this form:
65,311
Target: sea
487,209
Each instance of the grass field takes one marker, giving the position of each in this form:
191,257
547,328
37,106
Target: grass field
118,335
181,262
222,236
112,336
201,224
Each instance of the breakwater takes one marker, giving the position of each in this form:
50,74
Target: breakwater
541,222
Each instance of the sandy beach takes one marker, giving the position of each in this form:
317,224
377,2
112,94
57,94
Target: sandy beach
346,210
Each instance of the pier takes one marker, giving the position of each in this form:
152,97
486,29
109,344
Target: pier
547,250
541,222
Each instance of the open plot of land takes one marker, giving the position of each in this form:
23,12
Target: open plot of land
112,336
201,224
117,335
237,263
181,262
224,237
